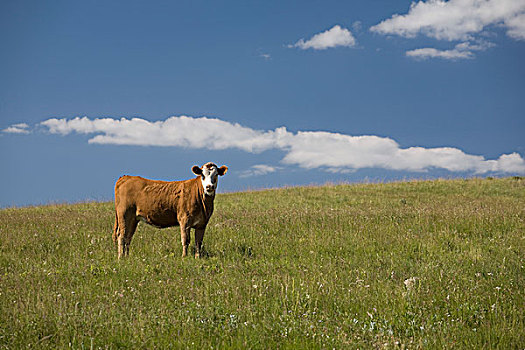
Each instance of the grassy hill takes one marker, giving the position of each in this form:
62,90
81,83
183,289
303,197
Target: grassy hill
423,264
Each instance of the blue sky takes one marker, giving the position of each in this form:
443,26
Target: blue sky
284,93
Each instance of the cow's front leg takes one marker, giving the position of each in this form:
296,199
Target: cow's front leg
185,239
199,235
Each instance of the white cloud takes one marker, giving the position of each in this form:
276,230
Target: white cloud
311,149
345,152
510,163
258,170
455,19
461,51
20,128
210,133
516,26
334,37
429,52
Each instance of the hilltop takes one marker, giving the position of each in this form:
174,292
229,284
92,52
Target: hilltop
416,264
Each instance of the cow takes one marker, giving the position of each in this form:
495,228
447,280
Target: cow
188,204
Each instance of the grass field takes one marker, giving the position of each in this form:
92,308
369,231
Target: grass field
423,264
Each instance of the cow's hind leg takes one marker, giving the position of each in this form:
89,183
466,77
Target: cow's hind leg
127,223
131,226
121,227
185,239
115,229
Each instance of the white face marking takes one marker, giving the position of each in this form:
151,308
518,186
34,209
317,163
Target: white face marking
209,179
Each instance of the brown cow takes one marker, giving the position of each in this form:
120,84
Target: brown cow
188,204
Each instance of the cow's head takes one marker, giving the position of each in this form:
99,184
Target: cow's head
209,174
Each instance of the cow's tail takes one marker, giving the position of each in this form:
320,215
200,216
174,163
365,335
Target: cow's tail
115,228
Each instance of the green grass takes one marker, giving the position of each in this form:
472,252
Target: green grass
307,267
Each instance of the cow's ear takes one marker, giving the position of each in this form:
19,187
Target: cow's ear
222,170
196,170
